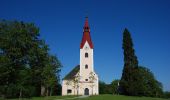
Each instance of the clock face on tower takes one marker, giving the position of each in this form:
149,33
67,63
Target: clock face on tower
86,48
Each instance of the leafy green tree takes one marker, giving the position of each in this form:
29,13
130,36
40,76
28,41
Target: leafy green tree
15,45
167,94
102,87
38,63
115,86
105,88
23,84
49,74
57,89
25,60
150,86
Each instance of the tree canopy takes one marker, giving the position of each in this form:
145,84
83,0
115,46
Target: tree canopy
25,62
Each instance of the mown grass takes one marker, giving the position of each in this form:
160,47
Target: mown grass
98,97
44,98
120,97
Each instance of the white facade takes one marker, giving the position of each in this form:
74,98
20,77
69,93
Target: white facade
88,79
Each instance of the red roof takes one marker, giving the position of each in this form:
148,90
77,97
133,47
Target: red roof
86,35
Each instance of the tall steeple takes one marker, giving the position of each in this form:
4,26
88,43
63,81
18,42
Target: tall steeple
86,53
86,35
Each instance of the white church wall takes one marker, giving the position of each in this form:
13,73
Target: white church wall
83,61
82,86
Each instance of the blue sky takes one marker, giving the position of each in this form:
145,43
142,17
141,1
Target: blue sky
61,25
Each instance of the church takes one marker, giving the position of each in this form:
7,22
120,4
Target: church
83,80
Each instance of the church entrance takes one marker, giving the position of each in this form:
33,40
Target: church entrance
86,91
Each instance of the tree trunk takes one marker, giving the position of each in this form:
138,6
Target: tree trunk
51,89
47,91
3,96
20,94
42,90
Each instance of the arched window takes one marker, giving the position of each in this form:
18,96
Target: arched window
86,55
86,66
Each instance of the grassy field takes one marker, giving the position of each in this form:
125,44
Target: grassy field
120,97
46,98
100,97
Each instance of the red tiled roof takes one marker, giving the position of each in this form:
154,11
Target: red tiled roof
86,35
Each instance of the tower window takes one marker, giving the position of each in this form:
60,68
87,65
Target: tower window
86,79
86,55
86,66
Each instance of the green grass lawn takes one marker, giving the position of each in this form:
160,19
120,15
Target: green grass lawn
46,98
99,97
120,97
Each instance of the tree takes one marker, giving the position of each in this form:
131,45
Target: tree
16,40
167,94
130,81
57,89
24,57
150,86
115,86
102,87
49,73
105,88
136,80
23,83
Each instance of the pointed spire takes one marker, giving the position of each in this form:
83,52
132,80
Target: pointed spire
86,25
86,35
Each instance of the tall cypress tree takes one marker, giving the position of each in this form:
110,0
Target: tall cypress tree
135,80
129,79
130,58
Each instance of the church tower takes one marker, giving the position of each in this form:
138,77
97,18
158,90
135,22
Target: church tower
86,60
86,53
82,80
